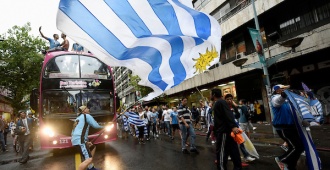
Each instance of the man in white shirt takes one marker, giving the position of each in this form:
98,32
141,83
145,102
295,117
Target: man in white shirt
167,118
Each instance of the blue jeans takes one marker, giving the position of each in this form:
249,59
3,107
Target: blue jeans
192,135
242,147
2,141
167,125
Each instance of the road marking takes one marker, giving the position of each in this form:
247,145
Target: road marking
77,160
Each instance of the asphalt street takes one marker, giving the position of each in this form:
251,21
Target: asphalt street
160,154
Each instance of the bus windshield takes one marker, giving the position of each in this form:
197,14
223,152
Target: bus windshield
66,102
76,66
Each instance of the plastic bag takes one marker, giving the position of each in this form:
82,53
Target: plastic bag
249,146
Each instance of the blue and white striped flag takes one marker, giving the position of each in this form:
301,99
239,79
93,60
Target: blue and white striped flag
303,106
164,42
299,114
135,119
316,110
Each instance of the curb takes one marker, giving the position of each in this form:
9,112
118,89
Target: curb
272,144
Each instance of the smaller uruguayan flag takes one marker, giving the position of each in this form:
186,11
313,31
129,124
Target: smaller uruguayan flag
134,119
298,106
315,105
125,123
311,110
316,110
303,106
164,42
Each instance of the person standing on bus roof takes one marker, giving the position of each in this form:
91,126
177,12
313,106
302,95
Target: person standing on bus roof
77,47
65,44
53,43
80,137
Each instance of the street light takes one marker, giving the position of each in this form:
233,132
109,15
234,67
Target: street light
265,63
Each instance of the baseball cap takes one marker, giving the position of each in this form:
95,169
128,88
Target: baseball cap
82,108
280,86
21,111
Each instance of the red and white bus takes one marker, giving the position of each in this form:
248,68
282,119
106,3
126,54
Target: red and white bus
69,80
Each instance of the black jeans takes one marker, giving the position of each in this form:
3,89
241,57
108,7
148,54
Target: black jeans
141,132
2,141
5,137
295,147
148,129
226,146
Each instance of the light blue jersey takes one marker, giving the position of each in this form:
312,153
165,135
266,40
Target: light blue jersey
154,117
53,43
174,116
80,131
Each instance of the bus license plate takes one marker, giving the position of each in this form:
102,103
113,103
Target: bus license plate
63,141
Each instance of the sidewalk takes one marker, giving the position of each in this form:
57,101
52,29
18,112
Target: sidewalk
11,156
264,135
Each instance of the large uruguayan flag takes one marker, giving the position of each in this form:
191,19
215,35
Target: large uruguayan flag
312,156
164,42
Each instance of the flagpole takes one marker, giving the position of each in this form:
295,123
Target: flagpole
204,98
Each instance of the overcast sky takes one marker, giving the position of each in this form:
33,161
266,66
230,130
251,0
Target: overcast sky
37,12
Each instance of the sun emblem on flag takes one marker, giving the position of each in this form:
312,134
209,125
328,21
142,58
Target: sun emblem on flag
205,59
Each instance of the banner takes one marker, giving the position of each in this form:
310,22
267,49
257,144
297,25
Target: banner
257,41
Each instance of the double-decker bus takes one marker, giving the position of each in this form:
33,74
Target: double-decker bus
69,80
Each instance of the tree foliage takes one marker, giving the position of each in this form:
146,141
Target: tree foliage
143,89
20,63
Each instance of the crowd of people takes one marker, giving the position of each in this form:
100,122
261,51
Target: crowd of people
184,121
222,119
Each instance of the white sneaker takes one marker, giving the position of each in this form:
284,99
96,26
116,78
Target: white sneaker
249,159
213,142
254,128
157,136
229,158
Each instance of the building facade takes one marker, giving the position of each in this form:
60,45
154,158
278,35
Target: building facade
280,22
125,92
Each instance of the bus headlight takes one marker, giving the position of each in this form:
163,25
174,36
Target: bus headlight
49,132
109,127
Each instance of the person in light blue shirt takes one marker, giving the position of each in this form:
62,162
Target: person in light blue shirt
174,121
154,117
53,43
80,137
77,47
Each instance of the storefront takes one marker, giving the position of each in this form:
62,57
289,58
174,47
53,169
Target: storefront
195,95
6,111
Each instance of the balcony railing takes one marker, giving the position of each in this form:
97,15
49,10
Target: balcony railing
243,4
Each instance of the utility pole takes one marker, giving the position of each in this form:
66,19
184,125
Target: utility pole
263,63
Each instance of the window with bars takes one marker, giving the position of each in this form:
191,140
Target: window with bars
309,18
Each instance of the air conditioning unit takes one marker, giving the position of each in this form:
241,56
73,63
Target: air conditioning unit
240,55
